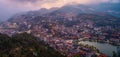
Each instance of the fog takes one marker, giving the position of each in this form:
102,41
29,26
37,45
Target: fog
10,7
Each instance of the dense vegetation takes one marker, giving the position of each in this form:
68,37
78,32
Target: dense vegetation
25,45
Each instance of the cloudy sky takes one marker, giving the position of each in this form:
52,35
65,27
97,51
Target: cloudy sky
10,7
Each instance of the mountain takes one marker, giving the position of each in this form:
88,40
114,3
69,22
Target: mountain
75,13
37,12
103,8
107,6
42,11
69,16
110,8
74,9
59,26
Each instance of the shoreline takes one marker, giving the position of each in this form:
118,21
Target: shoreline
99,41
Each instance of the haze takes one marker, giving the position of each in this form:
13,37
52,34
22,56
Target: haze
10,7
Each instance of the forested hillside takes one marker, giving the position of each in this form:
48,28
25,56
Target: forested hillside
25,45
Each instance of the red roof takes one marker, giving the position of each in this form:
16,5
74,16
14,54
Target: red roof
102,55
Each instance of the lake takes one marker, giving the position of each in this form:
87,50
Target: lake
103,47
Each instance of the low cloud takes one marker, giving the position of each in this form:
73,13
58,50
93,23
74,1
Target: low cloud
10,7
36,4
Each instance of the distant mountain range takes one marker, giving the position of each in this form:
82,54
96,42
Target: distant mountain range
97,16
106,8
110,8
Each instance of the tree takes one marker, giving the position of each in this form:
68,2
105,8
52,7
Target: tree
114,54
25,45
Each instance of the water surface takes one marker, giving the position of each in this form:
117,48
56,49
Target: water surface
103,47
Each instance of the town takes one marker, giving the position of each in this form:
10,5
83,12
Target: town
64,32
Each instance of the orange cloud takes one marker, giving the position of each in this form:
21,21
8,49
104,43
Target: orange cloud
52,3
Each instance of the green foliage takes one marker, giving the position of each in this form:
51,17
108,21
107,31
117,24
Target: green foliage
25,45
77,56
